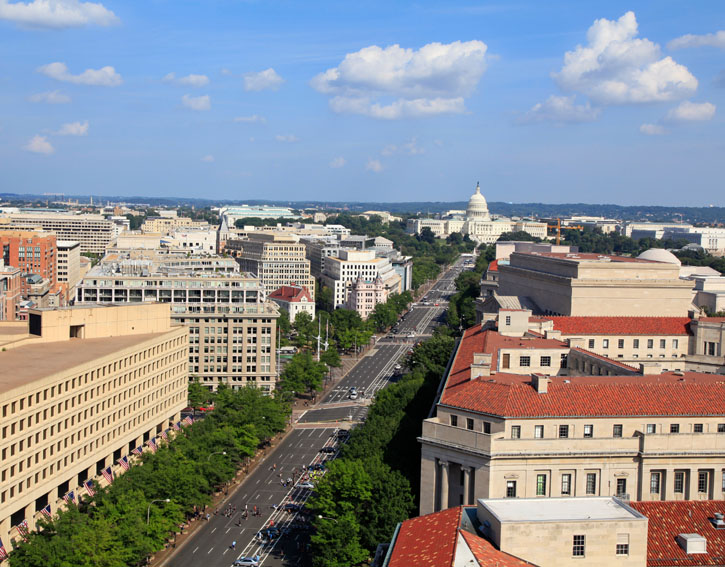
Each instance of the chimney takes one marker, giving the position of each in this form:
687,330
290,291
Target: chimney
481,365
718,521
552,334
650,368
692,543
540,383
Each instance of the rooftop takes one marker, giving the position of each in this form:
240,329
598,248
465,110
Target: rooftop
588,257
559,509
291,293
620,325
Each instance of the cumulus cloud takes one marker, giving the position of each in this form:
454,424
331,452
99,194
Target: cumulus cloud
202,102
716,39
617,67
250,119
653,129
338,162
50,97
208,158
39,145
374,165
103,77
262,81
289,138
74,129
688,111
434,79
560,110
188,81
56,13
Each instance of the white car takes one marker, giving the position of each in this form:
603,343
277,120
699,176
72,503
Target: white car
353,395
307,485
247,562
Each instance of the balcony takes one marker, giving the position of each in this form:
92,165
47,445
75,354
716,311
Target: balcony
566,446
683,443
458,436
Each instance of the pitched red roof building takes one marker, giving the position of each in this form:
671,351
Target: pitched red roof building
619,325
291,293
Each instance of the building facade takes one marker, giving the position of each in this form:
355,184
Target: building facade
294,299
34,252
69,265
365,294
10,297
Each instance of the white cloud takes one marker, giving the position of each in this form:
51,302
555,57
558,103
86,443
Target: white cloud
74,129
51,97
338,162
434,79
616,67
653,129
289,138
716,39
262,81
202,102
225,71
208,158
688,111
56,13
560,110
188,81
250,119
410,147
103,77
374,165
39,145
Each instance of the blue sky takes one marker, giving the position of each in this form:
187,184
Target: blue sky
371,101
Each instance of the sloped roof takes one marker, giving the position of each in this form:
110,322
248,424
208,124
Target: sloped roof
291,293
665,326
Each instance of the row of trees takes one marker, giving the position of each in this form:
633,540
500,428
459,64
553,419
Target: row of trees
462,308
374,483
111,530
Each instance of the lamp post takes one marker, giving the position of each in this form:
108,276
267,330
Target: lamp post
216,453
148,511
327,518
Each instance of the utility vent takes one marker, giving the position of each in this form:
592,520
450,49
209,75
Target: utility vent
567,381
718,521
692,543
678,373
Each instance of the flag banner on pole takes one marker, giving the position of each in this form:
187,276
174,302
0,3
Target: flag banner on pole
138,450
177,426
70,497
164,436
89,488
152,445
108,474
188,420
123,461
46,512
23,529
3,553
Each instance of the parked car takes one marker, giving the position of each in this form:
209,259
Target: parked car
247,562
306,485
292,507
316,467
328,450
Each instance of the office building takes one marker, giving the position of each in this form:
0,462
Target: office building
10,297
34,252
364,295
80,388
69,265
234,213
294,299
166,224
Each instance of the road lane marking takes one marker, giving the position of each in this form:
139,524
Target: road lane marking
197,547
208,552
213,530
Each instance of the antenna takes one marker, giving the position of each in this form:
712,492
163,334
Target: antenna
327,334
318,337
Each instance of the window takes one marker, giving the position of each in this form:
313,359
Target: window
709,348
674,428
545,361
650,343
524,361
454,420
508,319
617,430
588,431
540,485
622,544
721,427
469,423
605,343
591,343
654,483
563,431
506,360
538,431
621,487
723,481
515,432
620,343
698,428
679,482
578,545
651,428
510,489
675,343
591,483
563,361
703,480
663,343
566,484
487,427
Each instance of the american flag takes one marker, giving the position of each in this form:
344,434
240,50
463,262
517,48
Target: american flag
46,512
108,475
177,426
138,450
23,529
89,488
152,445
164,436
123,461
70,497
3,553
188,420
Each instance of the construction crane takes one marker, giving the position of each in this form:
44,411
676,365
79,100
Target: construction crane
559,228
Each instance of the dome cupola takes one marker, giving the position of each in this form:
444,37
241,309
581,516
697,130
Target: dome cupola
477,206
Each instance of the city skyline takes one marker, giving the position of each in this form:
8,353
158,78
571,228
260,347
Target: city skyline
603,102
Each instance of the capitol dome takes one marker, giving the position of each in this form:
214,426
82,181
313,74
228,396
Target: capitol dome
477,206
660,255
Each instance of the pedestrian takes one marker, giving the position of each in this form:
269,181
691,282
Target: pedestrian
234,545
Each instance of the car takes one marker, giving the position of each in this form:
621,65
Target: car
316,467
247,562
328,450
271,533
353,389
292,507
343,434
353,395
411,335
306,485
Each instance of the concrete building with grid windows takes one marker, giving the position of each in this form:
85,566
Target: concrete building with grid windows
80,388
232,325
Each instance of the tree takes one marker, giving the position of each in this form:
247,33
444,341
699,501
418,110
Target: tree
283,323
303,374
331,358
198,394
426,235
304,327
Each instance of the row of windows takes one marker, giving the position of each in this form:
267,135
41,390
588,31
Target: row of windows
636,343
564,431
703,482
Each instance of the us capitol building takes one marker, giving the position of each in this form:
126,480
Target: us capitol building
476,222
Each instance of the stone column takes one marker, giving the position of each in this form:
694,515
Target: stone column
444,484
30,516
691,479
466,484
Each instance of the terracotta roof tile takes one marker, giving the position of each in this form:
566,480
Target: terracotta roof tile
620,325
668,519
291,293
427,541
488,555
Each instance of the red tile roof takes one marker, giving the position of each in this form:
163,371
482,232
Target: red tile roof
291,293
620,325
493,266
668,519
431,541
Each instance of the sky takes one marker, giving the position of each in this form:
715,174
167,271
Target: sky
555,102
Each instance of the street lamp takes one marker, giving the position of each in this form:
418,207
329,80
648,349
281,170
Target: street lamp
148,511
216,453
327,518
